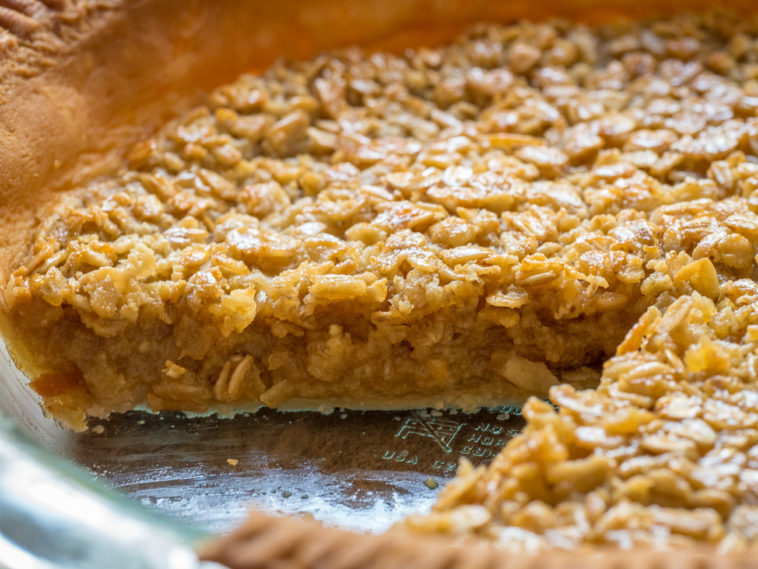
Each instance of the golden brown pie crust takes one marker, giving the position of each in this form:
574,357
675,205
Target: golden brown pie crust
267,542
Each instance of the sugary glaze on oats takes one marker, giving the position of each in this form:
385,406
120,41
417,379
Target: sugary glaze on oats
470,220
665,450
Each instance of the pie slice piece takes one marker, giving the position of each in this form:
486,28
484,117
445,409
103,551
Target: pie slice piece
459,226
356,230
663,452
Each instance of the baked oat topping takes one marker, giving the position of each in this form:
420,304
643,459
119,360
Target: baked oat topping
481,218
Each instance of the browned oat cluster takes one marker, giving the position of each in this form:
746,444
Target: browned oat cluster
463,225
663,452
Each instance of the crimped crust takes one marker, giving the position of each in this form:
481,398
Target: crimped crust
266,542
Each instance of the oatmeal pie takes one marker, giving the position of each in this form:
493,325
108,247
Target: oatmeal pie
452,226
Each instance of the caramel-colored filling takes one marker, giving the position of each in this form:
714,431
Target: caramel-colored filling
456,225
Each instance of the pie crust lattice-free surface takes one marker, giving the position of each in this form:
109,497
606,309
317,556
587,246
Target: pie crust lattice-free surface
459,225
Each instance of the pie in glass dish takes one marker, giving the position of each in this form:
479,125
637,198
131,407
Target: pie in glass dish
461,225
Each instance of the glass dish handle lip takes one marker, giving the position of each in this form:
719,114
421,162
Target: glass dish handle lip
56,516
